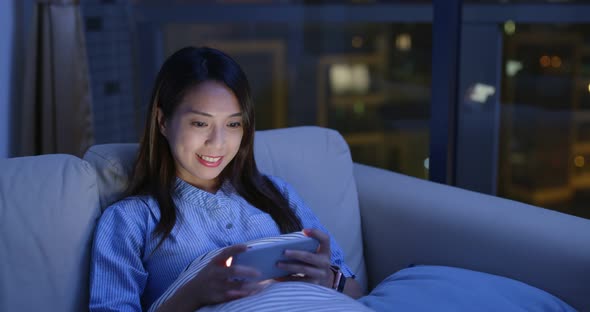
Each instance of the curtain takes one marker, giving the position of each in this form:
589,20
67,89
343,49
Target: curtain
57,109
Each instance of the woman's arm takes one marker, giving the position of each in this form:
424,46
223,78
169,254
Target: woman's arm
182,300
215,283
310,220
352,288
117,275
317,267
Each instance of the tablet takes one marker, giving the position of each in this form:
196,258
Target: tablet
265,257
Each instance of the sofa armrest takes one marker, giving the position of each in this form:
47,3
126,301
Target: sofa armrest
410,221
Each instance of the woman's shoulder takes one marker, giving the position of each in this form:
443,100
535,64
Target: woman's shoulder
127,222
278,182
133,207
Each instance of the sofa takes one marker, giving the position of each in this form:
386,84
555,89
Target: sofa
384,221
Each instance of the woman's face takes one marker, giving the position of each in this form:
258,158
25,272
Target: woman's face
204,134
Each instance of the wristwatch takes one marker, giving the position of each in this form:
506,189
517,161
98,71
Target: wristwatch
339,278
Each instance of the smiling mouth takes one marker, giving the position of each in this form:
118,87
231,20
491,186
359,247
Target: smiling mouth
209,159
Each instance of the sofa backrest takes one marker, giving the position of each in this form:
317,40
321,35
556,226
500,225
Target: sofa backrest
316,161
436,224
48,209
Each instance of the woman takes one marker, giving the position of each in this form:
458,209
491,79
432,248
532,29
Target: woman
196,188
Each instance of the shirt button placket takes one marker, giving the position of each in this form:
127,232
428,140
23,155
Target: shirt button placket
228,227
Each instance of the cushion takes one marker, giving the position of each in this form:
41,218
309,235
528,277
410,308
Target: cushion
441,288
316,161
285,296
48,209
113,164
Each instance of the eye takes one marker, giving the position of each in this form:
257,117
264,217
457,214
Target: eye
235,124
198,124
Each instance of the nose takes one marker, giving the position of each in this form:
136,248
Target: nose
216,137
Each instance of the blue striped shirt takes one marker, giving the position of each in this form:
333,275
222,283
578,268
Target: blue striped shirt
126,273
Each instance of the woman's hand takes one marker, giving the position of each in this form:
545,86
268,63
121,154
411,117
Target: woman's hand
314,267
215,283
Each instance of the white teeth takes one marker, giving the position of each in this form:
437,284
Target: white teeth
209,159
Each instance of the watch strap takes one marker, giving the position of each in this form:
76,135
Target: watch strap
341,283
339,279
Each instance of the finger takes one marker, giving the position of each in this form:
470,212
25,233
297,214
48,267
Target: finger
234,294
227,252
243,289
252,287
297,268
232,283
322,237
241,271
294,278
282,278
317,260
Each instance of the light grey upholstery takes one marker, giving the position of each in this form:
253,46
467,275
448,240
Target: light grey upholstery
48,209
49,206
113,164
411,221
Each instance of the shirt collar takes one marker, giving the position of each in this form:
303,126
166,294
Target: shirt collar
192,194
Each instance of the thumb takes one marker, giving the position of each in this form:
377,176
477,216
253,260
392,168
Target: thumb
321,237
227,252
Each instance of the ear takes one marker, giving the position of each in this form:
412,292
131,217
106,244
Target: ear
161,121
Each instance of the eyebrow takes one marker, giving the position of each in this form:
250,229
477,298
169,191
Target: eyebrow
192,111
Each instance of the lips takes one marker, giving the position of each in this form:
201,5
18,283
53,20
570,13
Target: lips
209,161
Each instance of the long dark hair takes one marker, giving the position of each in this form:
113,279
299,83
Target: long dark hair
155,173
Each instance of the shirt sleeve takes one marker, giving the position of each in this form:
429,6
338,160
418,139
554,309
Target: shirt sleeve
117,274
310,220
